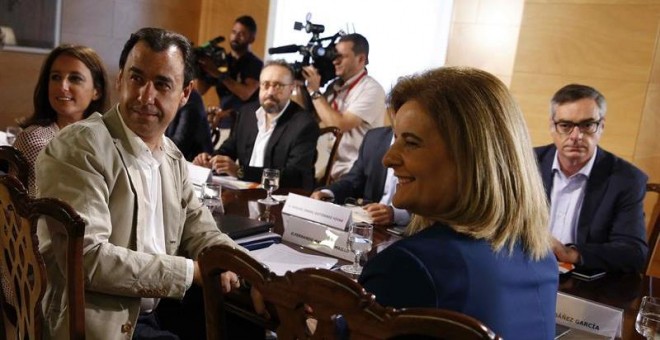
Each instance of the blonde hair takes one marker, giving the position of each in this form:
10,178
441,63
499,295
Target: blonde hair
501,196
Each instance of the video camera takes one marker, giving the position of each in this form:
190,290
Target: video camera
314,53
213,51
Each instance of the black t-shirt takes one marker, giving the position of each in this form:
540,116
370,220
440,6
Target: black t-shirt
248,66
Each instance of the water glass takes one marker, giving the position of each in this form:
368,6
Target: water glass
270,180
212,197
12,132
360,238
648,318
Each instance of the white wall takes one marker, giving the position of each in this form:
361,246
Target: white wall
404,36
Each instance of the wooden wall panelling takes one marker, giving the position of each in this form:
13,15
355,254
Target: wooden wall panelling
484,34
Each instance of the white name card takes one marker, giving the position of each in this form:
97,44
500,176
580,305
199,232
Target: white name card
325,213
590,316
316,236
198,175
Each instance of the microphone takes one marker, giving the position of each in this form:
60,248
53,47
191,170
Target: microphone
284,49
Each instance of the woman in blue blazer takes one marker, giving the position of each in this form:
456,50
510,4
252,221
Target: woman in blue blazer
479,242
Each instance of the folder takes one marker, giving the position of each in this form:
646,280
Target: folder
239,226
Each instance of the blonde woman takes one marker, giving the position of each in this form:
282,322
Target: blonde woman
479,242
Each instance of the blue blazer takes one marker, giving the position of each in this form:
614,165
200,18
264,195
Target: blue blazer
366,179
611,234
291,148
438,267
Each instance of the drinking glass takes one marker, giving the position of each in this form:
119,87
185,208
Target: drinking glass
212,197
12,132
360,235
648,317
270,180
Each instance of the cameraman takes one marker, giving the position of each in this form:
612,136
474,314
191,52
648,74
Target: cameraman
239,84
354,102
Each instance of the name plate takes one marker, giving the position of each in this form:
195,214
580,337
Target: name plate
314,235
325,213
589,316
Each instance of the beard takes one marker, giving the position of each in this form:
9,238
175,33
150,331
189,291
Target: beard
271,105
238,47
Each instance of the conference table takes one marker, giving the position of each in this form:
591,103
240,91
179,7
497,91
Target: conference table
623,291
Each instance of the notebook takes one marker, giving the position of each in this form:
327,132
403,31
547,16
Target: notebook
239,226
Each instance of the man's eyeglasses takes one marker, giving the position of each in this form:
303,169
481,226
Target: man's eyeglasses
265,85
588,127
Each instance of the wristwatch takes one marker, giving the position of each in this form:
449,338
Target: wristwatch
315,94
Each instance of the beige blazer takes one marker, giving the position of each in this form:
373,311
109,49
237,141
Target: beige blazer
92,166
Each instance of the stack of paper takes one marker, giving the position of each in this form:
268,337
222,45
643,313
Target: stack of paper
358,214
259,241
198,175
280,259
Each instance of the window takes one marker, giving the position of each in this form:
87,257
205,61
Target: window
30,25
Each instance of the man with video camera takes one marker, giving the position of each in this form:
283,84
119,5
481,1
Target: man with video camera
237,83
354,102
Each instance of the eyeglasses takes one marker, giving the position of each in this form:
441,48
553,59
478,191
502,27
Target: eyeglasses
588,127
265,85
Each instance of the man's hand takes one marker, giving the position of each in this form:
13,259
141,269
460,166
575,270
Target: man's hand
224,165
320,195
203,159
228,281
208,66
312,77
215,114
380,213
564,253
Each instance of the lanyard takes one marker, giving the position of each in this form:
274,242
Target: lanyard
334,104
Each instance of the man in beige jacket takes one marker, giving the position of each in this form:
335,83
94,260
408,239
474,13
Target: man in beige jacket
144,225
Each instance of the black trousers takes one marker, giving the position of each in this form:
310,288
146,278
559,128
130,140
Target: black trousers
186,319
148,328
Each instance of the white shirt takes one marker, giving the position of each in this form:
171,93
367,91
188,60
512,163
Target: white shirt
261,142
566,200
365,99
151,238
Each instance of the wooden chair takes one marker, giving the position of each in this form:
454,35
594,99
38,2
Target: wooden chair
336,132
16,163
22,268
329,294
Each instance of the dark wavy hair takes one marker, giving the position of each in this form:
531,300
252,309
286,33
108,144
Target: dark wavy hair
44,114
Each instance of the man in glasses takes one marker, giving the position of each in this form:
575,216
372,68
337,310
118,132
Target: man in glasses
596,214
272,133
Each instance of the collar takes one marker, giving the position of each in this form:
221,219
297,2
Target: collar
350,82
261,116
138,144
586,169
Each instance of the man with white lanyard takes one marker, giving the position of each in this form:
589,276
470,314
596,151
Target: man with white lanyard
354,102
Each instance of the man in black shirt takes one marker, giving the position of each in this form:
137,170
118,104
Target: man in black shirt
239,84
